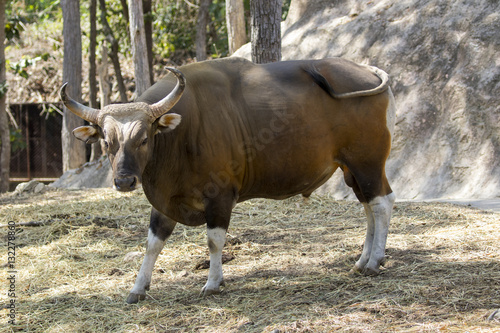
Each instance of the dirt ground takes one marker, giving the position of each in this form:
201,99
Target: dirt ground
287,270
492,204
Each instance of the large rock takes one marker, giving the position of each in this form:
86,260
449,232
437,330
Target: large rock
31,187
444,60
92,175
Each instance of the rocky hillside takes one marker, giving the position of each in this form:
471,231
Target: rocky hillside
444,60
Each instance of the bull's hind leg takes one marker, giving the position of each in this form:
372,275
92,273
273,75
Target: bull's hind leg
373,191
378,211
160,228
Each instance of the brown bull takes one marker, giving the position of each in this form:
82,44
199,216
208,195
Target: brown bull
230,130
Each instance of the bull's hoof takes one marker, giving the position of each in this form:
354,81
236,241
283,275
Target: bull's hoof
135,298
356,271
366,271
207,292
368,267
209,289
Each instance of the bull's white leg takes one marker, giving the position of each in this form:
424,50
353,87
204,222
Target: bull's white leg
143,280
381,208
216,239
370,232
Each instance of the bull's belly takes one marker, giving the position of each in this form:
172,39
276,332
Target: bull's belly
283,184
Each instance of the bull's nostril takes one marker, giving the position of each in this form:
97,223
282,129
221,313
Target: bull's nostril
125,184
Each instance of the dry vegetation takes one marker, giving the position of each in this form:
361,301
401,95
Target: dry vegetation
290,271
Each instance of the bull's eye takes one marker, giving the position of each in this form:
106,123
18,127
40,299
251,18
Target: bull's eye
144,142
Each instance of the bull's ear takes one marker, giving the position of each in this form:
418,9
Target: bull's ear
168,122
88,134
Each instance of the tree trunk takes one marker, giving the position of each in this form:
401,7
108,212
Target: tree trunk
139,47
235,19
266,30
73,150
92,52
125,10
104,85
201,30
4,121
96,148
114,51
148,29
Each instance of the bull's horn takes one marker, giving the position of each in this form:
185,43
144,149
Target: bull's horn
163,106
89,114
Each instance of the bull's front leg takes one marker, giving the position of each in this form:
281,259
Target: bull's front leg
160,228
378,212
216,239
217,215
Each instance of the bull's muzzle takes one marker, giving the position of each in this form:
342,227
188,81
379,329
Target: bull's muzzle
126,184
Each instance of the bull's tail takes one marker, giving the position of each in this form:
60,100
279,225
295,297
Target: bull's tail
323,83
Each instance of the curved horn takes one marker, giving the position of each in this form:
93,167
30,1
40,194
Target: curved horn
163,106
89,114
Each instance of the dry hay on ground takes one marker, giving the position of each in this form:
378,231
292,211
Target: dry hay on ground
289,269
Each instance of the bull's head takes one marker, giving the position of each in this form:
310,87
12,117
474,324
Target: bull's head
127,130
